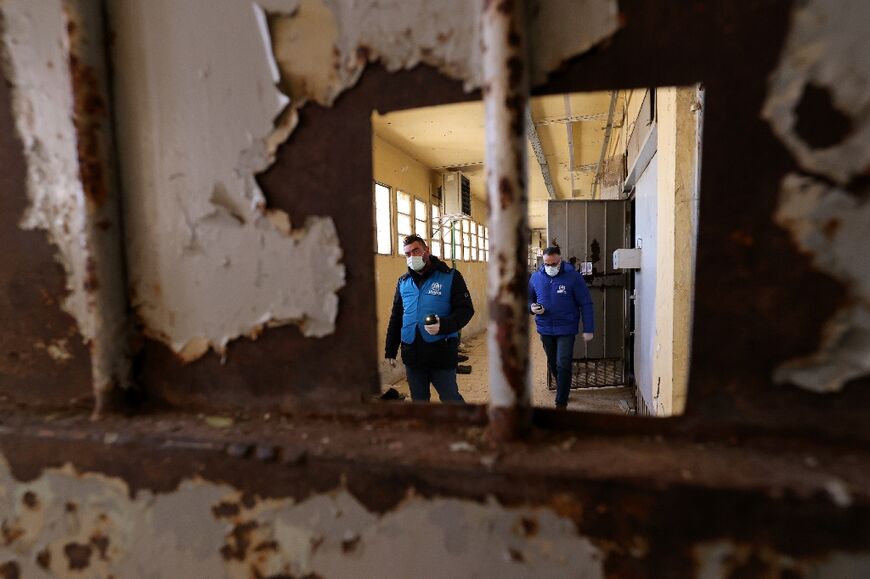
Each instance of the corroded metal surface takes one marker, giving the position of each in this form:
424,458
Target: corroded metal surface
646,506
505,99
755,480
42,358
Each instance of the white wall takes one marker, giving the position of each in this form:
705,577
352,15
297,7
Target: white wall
646,215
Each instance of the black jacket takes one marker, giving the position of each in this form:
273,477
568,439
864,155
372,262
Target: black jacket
422,354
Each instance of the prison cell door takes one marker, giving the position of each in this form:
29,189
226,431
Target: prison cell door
587,232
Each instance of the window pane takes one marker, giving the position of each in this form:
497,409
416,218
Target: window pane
466,227
403,202
419,210
382,219
421,229
436,248
404,224
448,253
467,254
436,212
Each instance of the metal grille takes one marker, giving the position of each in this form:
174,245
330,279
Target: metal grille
595,373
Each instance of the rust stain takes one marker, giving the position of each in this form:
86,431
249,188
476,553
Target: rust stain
43,558
10,532
527,527
831,227
101,542
225,510
505,193
10,570
78,556
30,500
238,541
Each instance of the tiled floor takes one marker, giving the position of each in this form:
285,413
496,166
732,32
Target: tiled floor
475,386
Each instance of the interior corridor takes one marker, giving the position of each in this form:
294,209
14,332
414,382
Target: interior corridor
474,387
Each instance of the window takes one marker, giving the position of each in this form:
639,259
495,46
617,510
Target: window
383,226
403,217
486,244
421,224
436,230
447,237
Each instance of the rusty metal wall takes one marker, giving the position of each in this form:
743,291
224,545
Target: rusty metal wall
43,361
756,479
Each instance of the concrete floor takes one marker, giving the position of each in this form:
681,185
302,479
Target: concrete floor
474,387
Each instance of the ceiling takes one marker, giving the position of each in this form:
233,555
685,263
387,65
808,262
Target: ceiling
451,137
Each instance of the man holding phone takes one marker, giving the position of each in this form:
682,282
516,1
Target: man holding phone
430,306
562,305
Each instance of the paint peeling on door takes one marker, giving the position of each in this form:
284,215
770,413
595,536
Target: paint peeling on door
401,34
199,117
67,524
831,226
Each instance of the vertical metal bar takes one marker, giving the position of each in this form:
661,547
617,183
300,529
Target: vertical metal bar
585,259
505,97
106,283
604,285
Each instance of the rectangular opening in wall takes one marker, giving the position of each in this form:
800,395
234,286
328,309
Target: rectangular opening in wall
613,185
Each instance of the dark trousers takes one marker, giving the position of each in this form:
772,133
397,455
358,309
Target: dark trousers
560,353
444,380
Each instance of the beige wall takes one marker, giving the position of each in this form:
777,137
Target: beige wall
395,168
677,230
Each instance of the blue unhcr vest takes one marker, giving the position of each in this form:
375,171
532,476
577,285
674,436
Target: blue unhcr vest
433,297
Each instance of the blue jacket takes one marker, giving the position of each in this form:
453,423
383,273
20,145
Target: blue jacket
564,297
432,297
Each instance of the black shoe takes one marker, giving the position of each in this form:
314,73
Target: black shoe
463,369
463,358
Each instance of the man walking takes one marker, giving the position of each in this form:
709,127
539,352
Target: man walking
557,297
430,306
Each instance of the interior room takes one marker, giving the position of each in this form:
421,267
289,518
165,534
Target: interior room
608,171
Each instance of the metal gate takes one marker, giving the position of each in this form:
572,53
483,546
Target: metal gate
588,232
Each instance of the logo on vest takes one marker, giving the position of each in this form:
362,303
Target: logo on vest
561,290
435,289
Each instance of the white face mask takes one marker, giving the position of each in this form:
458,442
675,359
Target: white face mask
416,262
552,270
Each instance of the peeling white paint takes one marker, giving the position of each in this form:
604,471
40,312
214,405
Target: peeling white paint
182,534
198,109
721,558
831,226
827,46
323,46
36,49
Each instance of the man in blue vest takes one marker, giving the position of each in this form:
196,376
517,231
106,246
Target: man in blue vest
558,296
429,350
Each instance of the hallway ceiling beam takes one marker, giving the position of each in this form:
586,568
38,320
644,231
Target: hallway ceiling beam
535,142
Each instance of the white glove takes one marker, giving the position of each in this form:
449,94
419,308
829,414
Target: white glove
587,337
433,328
537,309
392,362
